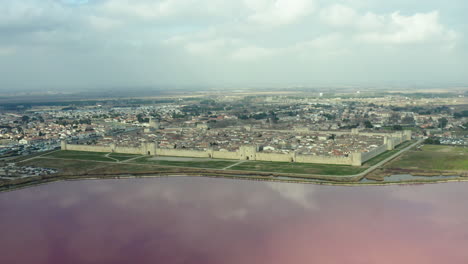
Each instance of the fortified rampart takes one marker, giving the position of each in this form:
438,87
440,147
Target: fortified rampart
252,152
183,153
144,149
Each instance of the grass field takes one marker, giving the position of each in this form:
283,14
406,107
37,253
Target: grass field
433,157
302,168
122,157
388,153
81,155
66,166
261,166
202,163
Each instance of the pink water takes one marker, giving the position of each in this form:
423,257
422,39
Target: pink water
213,221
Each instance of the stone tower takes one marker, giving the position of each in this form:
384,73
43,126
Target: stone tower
388,140
407,134
248,152
154,123
356,159
148,148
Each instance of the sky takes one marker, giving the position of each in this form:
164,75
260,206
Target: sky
92,44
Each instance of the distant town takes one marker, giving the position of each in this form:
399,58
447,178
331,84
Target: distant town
307,124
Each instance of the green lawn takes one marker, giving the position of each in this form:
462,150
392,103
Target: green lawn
82,155
388,153
66,166
122,157
202,163
265,166
94,156
80,167
434,157
302,168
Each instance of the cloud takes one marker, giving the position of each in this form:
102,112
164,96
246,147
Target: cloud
400,29
251,53
151,10
301,194
393,28
103,23
5,51
29,15
138,9
146,41
75,2
338,15
278,12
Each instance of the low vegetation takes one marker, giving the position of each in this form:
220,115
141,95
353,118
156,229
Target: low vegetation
388,153
122,157
194,163
433,158
66,166
300,168
80,155
72,160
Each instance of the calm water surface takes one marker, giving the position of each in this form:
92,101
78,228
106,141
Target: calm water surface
213,221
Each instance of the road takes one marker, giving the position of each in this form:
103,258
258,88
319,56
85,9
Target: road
376,166
361,174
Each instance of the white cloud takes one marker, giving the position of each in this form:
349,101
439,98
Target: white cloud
5,51
322,46
338,15
418,28
103,23
251,53
167,9
393,28
301,194
278,12
207,46
30,15
371,21
222,35
140,9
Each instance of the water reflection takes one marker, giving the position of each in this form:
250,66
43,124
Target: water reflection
201,220
409,177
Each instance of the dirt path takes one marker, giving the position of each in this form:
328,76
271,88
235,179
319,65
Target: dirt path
237,163
35,157
107,156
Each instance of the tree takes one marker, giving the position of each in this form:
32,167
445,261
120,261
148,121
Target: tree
408,120
329,116
461,114
395,117
442,122
368,124
397,127
25,119
141,119
432,141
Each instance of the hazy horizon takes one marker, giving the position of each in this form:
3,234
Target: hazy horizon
71,45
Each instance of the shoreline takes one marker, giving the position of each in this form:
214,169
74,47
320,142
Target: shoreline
34,181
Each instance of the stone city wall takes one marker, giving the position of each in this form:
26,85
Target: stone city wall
183,153
274,157
248,152
339,160
127,150
90,148
365,156
225,155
